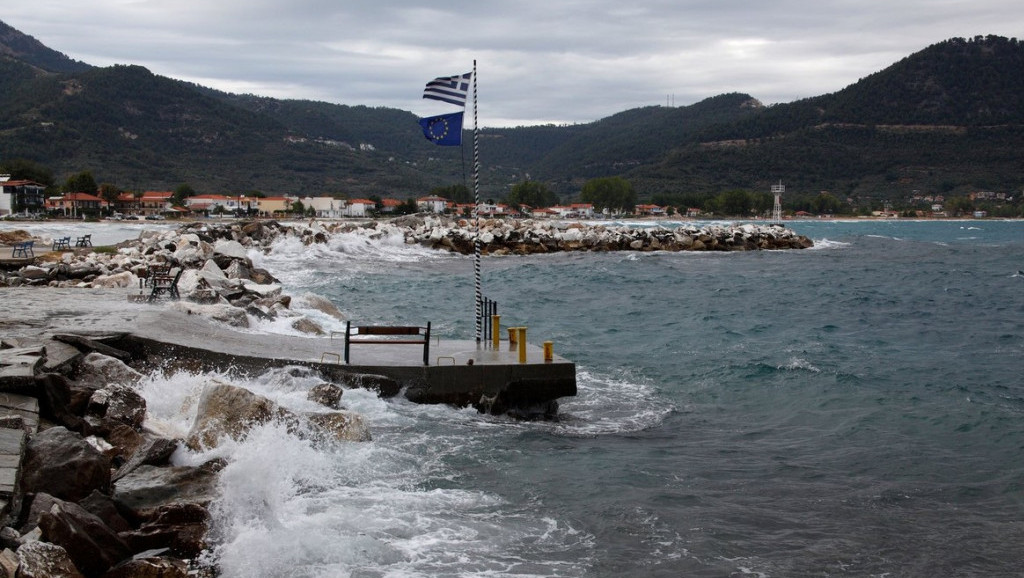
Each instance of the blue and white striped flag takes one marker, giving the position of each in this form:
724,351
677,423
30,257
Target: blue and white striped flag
450,89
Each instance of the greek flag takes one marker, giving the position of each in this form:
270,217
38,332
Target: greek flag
450,89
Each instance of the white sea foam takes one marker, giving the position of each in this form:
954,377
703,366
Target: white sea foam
288,508
798,364
826,244
608,404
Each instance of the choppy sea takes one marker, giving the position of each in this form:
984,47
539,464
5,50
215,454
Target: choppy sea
856,409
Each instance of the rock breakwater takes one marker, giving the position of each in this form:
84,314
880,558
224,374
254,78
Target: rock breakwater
88,489
218,279
525,237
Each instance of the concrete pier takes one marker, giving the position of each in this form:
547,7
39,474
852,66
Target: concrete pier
460,372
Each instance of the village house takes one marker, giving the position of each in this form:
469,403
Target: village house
492,210
359,207
208,204
649,210
574,211
75,204
583,210
20,196
390,205
463,209
324,207
127,204
155,202
274,206
432,204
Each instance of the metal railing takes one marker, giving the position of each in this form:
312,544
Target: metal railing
488,307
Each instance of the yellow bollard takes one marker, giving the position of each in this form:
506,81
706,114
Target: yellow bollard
512,335
495,330
549,352
521,342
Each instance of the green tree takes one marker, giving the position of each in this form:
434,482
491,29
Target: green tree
826,204
110,193
82,182
959,206
298,208
612,193
735,202
531,193
181,193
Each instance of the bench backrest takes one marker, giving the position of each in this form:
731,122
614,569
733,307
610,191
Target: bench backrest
388,330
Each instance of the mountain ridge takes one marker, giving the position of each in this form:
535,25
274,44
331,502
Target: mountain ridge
944,119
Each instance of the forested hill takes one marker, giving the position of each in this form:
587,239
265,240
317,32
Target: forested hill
946,119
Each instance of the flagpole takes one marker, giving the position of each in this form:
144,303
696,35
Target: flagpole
476,194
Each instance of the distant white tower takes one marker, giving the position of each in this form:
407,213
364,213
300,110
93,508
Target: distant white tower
777,190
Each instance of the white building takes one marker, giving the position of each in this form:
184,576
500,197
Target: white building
432,204
325,207
359,208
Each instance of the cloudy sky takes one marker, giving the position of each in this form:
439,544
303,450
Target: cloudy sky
538,61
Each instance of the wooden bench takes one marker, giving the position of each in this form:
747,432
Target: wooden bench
165,285
388,335
152,272
62,243
23,249
84,241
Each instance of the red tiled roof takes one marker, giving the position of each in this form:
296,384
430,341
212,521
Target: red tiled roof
81,197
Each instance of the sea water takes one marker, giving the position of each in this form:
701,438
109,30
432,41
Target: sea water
850,410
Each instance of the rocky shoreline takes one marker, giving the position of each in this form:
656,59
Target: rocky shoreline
217,269
95,492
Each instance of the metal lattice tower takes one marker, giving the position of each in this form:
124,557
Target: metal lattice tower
777,190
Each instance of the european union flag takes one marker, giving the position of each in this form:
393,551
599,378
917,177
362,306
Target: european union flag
444,129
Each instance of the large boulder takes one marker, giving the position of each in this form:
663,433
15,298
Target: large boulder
101,370
181,527
61,463
153,450
45,560
140,494
116,280
308,326
119,403
8,563
321,304
227,410
149,567
103,507
342,426
54,392
92,546
214,275
326,394
231,249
